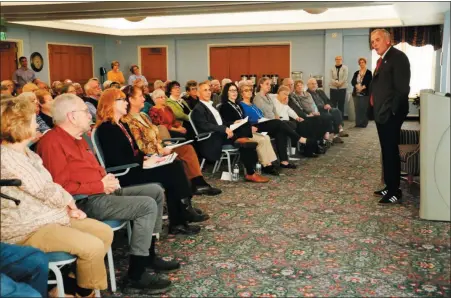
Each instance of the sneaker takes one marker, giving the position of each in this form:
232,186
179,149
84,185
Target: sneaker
390,198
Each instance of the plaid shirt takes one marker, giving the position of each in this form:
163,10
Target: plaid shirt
42,126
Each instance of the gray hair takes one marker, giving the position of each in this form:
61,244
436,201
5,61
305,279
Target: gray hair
107,84
157,93
88,84
225,81
62,105
384,32
28,95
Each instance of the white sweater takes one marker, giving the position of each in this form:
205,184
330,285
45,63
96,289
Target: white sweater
284,111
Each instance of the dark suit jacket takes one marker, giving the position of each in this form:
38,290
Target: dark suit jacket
365,82
229,115
390,86
320,98
296,106
204,121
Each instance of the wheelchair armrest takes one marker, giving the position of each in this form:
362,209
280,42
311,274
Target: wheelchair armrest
122,167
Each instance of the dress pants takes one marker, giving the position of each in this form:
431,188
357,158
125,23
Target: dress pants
265,152
280,131
361,107
23,271
389,135
338,98
141,203
87,238
336,117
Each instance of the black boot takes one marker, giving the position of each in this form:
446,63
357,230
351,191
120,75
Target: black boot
201,187
190,214
184,229
157,263
138,278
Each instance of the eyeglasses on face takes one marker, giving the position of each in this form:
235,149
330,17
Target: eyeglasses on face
233,90
120,99
247,90
193,89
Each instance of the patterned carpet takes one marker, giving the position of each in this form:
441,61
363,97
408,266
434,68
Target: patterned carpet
316,231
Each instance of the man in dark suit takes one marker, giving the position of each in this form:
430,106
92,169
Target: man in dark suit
389,94
207,119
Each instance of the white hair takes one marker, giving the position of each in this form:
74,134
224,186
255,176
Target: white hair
28,96
242,83
62,105
157,93
88,84
225,81
384,32
107,84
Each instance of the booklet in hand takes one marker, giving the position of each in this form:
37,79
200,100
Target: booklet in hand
236,125
163,161
178,145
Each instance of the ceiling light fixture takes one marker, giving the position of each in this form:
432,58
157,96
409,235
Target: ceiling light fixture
135,19
315,10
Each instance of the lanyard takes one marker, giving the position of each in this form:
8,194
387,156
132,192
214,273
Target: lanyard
135,152
236,109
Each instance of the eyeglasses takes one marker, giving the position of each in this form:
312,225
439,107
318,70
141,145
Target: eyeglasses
247,90
233,90
120,99
193,89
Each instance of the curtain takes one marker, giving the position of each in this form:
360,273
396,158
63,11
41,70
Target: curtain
416,36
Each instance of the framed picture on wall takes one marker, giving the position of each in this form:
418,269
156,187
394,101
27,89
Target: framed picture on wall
36,61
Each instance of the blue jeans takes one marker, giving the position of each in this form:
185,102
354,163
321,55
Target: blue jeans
24,271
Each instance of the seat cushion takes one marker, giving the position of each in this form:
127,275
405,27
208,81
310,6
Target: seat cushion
228,147
59,256
407,150
114,224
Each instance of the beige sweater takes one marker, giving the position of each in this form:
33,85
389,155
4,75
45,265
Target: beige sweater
42,201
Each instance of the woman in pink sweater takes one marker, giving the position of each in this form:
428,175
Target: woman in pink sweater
47,217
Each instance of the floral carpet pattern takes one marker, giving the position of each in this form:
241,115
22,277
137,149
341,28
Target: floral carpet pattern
316,231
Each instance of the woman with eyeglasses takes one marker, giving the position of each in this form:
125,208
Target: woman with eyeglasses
162,114
231,112
119,148
179,107
191,96
148,139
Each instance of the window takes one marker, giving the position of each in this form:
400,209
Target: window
422,66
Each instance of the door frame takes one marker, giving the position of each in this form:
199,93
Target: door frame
155,46
19,43
67,44
250,44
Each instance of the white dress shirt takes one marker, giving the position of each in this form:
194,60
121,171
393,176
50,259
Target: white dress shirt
284,111
209,105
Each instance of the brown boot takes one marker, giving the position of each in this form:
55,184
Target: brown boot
338,140
256,178
343,134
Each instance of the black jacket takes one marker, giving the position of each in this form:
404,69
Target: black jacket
296,106
367,78
320,98
229,115
390,86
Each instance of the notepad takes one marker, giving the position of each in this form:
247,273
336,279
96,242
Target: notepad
164,161
236,125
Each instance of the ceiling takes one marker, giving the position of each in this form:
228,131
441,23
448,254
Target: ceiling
178,17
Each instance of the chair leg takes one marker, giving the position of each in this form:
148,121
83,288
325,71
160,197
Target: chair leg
215,166
202,164
111,269
97,293
129,232
59,279
229,163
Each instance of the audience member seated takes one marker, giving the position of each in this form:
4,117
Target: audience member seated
93,92
45,101
120,148
266,105
159,84
231,112
323,103
225,81
67,156
23,271
106,84
296,122
7,87
191,97
68,82
136,75
147,104
31,97
68,88
207,119
318,126
162,114
47,217
79,90
29,87
43,86
148,139
115,75
215,92
179,106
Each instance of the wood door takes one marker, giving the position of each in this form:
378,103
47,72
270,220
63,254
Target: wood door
238,62
154,63
219,63
258,61
70,62
8,59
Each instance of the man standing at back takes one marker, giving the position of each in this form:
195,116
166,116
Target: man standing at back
389,95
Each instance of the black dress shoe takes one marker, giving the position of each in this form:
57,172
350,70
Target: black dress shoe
311,154
288,166
184,230
270,170
206,190
191,215
160,265
152,283
391,198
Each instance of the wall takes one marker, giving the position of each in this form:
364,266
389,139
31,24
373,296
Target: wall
445,77
36,39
